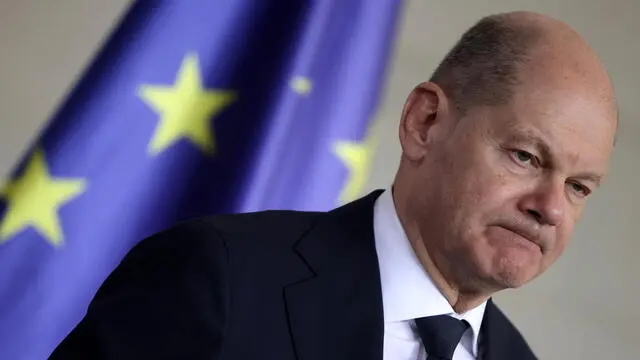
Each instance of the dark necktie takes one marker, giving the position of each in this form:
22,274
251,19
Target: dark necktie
440,335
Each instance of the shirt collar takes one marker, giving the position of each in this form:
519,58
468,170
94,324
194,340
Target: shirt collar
407,289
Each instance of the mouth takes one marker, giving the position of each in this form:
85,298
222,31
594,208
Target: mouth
524,237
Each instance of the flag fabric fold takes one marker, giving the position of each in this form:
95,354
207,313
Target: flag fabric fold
189,109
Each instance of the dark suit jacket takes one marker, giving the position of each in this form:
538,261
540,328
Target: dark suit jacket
271,285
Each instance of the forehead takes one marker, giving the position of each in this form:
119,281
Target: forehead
567,111
576,125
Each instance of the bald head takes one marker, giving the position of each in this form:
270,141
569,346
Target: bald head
504,51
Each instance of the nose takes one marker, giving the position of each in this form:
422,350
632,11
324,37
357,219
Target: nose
546,203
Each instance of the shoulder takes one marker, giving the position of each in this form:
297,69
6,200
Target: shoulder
202,247
213,235
275,222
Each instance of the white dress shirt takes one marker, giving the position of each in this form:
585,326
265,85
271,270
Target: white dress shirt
409,293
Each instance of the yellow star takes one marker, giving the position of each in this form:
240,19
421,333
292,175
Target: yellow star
34,199
185,109
301,85
356,156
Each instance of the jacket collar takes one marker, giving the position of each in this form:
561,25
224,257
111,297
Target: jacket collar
336,312
499,339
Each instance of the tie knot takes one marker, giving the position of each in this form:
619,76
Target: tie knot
440,335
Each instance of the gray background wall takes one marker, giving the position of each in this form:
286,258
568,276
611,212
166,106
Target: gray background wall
586,307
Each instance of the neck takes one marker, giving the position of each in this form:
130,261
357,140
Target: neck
461,296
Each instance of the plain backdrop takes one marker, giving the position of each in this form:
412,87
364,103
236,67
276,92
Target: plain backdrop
586,307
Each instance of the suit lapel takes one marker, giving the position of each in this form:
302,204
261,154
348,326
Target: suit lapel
336,313
499,339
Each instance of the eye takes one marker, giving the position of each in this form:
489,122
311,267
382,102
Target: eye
579,189
524,157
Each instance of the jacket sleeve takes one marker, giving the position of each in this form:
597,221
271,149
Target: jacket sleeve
168,299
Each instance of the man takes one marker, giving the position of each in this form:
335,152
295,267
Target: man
500,151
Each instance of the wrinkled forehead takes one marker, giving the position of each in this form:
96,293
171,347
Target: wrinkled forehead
577,108
575,123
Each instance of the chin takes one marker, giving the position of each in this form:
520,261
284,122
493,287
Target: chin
508,280
510,273
510,261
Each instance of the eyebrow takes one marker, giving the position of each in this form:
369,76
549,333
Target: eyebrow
595,178
529,136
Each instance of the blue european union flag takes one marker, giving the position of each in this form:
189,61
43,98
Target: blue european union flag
191,108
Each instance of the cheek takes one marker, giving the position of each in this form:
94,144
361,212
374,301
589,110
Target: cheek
562,240
474,185
552,256
486,192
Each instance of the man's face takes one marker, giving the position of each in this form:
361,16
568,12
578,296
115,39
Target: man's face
508,184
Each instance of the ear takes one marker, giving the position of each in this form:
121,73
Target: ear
423,120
